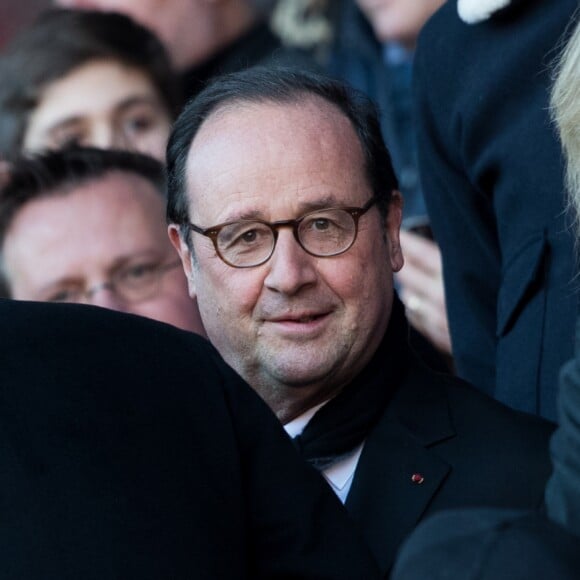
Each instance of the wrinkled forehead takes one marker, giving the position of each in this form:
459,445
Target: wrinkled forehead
310,143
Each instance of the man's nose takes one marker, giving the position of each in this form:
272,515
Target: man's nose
291,268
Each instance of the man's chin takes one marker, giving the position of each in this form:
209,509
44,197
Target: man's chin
300,367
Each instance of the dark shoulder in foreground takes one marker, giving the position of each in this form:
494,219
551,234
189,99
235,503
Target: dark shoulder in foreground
130,450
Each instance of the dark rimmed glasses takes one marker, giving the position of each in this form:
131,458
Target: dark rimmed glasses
322,233
133,283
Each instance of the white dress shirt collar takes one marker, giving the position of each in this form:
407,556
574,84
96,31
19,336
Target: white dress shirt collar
340,474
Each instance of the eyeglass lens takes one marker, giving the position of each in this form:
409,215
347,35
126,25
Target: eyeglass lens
132,283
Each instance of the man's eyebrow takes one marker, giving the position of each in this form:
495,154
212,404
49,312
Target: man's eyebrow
64,281
120,262
304,207
250,214
321,203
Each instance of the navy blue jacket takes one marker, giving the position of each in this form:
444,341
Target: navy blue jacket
492,174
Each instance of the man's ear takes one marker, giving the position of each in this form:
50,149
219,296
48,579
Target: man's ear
184,254
393,227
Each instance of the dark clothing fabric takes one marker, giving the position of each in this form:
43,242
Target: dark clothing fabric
128,449
438,444
489,545
357,57
491,170
259,46
499,544
563,489
345,421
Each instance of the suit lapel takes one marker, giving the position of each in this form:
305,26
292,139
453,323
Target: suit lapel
397,475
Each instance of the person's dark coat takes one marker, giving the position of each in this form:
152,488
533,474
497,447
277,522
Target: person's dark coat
499,544
492,175
129,450
432,443
484,544
441,444
257,46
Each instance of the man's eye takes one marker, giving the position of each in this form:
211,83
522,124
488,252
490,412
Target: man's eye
139,124
321,224
244,236
249,236
138,272
64,295
253,238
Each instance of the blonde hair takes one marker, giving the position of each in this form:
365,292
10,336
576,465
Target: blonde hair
565,106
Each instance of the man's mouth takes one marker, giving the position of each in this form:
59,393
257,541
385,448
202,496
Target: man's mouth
299,319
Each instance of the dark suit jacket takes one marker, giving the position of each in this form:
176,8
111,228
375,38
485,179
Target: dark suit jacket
491,170
129,450
491,544
469,450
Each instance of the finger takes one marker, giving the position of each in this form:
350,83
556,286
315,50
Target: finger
431,323
420,251
432,314
416,281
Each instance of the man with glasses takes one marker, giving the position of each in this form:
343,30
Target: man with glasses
87,226
284,208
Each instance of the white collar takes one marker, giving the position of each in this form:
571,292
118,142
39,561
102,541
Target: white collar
339,475
473,11
296,426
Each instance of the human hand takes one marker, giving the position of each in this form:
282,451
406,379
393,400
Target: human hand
421,289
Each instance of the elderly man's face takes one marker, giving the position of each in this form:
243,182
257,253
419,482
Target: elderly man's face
73,247
297,326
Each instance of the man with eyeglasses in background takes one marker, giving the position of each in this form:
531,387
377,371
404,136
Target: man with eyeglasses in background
87,226
285,211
